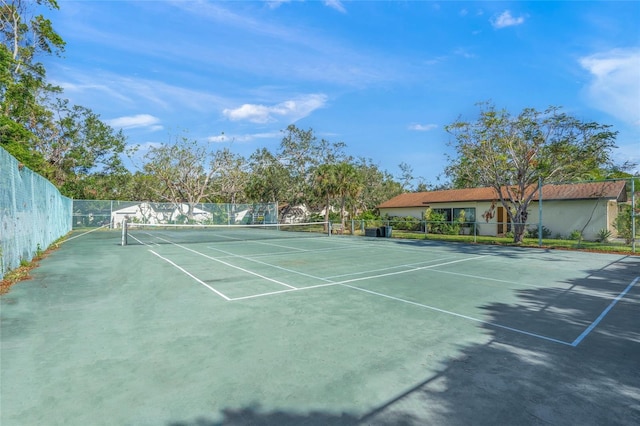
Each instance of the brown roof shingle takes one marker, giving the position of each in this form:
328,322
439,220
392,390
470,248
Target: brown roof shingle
578,191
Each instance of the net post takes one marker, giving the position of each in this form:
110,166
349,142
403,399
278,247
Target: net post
329,226
123,241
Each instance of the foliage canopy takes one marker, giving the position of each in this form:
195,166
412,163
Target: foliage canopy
515,154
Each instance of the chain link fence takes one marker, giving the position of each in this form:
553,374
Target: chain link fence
33,213
111,213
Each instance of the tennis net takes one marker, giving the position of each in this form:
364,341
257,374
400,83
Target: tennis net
150,234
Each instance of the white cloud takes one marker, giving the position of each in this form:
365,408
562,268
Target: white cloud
243,138
464,53
506,20
136,121
290,111
88,86
274,4
135,93
615,85
335,4
423,127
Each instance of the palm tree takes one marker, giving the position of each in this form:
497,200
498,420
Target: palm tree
325,186
348,183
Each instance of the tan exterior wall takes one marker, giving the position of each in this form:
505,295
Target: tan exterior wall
560,217
612,215
564,217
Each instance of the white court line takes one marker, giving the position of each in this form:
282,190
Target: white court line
345,284
539,336
198,279
263,243
479,277
593,325
408,265
84,233
253,296
420,268
229,264
237,256
280,253
191,275
328,279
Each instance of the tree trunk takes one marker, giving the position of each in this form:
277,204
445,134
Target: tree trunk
519,224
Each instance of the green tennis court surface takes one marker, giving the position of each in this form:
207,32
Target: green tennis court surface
328,330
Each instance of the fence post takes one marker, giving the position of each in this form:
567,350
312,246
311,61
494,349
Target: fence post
633,216
540,211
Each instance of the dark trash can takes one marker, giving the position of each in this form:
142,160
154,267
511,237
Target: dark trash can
384,232
371,232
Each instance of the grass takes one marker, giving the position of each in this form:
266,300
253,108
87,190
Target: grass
547,243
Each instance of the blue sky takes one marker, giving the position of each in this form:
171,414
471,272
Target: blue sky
383,77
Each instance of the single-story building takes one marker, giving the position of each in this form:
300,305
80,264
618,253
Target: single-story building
586,207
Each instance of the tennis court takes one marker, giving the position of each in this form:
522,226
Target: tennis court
312,329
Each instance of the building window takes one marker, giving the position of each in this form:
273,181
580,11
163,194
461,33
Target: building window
451,215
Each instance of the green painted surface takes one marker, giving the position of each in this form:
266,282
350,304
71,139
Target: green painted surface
375,332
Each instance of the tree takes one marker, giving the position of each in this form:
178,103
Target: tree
406,176
183,173
325,186
139,186
337,181
231,175
23,85
24,38
378,186
348,183
624,221
300,153
268,179
515,154
16,140
68,145
77,145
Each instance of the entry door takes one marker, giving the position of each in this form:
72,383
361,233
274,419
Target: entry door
503,221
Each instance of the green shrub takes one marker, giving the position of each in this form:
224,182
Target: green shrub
407,223
575,235
623,222
367,215
533,232
435,222
603,235
451,229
